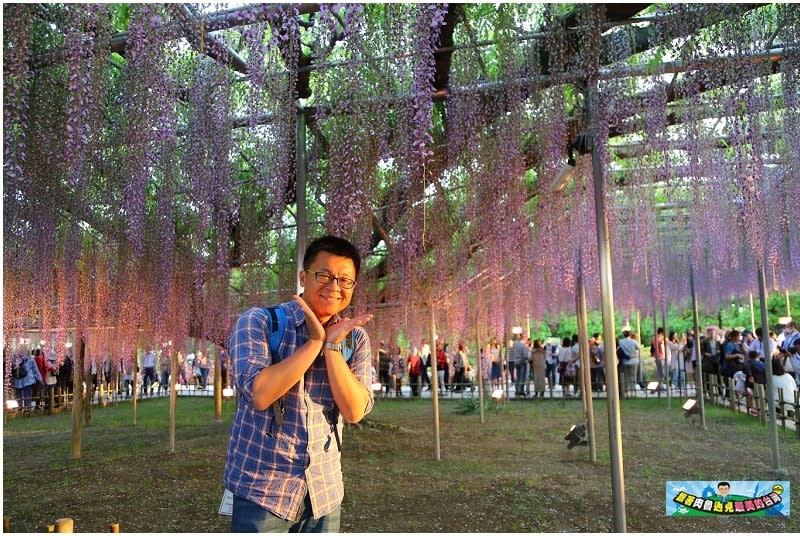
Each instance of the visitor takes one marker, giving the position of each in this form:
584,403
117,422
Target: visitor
397,370
597,362
629,356
539,367
441,365
163,382
25,374
283,462
783,385
415,367
149,366
565,361
425,355
518,358
551,361
497,366
384,363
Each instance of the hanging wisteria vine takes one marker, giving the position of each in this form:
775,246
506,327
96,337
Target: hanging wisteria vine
150,194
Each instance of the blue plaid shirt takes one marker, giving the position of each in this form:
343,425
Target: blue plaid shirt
276,465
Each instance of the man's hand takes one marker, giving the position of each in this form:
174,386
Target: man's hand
315,329
338,331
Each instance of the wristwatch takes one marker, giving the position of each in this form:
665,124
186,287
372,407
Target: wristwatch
335,346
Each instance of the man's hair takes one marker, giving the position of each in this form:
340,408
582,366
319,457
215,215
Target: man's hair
726,484
335,246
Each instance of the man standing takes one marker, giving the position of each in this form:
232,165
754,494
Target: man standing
630,357
384,363
149,366
283,463
518,359
658,350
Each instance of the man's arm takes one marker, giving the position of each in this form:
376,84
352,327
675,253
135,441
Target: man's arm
256,375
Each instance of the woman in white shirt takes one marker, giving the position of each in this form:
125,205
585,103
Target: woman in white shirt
782,382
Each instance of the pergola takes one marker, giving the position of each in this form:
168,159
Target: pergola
165,164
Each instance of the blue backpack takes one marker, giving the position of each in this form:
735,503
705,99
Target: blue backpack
277,327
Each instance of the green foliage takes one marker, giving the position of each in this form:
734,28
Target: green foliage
472,406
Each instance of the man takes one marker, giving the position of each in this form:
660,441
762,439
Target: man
630,356
790,334
658,350
283,463
518,359
149,365
383,364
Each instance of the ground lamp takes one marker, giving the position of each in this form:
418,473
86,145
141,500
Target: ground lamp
653,386
690,407
577,435
227,392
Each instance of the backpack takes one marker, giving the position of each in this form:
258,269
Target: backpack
569,372
277,327
18,371
757,371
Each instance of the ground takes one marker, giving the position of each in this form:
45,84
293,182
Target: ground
511,473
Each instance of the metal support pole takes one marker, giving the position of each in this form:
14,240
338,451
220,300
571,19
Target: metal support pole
583,337
479,365
434,389
767,344
607,306
698,370
300,192
173,396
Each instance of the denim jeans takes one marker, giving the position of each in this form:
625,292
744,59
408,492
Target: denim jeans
521,377
250,517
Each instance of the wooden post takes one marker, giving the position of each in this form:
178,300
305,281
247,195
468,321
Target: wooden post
64,525
114,527
77,397
6,524
217,385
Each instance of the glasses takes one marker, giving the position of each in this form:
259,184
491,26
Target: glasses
326,279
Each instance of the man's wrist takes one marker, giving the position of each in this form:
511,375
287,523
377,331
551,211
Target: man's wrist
335,346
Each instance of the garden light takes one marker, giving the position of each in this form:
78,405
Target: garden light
690,407
577,435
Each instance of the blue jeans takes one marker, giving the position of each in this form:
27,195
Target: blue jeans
250,517
25,395
522,377
660,370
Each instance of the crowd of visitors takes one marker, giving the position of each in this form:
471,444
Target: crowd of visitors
37,380
531,367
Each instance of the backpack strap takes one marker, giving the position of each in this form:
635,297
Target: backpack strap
277,327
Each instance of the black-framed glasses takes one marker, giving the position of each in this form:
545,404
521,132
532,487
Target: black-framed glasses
326,279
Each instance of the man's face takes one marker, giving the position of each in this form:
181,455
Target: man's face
329,299
723,490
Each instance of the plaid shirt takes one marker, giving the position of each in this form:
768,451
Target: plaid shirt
276,465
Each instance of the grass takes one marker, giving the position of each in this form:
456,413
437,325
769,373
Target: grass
511,474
